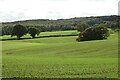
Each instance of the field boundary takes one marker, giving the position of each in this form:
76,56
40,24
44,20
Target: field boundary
39,37
60,78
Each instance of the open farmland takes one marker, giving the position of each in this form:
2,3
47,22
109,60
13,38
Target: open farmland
60,57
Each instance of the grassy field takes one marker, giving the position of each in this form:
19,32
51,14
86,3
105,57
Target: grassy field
60,57
55,33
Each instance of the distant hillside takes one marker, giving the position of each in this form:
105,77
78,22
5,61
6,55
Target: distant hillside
72,21
63,24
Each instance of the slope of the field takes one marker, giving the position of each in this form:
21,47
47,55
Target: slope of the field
61,57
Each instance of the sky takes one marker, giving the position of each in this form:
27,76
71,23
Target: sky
14,10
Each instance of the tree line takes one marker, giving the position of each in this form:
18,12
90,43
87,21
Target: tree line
43,25
20,30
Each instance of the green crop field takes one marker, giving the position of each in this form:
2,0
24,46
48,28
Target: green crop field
60,57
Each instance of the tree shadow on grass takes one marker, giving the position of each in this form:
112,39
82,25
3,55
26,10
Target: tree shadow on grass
38,37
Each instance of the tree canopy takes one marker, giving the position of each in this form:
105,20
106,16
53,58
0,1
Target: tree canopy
33,31
19,31
82,26
94,33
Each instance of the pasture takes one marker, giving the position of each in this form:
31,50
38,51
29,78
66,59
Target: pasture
60,57
50,34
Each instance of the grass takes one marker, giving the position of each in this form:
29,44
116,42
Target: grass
55,33
60,57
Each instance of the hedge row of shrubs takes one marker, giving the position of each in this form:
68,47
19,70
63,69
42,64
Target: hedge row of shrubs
94,33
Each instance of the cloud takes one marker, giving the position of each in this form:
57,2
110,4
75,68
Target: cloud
54,15
12,10
119,8
12,16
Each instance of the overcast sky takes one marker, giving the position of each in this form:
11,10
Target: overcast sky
14,10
